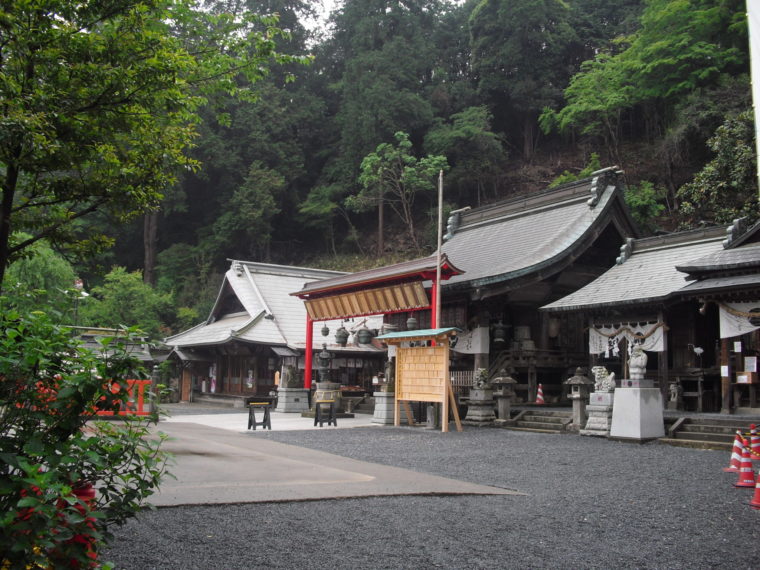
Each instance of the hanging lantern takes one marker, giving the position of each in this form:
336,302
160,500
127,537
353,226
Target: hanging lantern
341,336
325,330
363,336
499,333
411,323
554,326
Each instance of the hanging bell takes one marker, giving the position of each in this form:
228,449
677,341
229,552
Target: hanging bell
411,324
363,336
499,333
341,336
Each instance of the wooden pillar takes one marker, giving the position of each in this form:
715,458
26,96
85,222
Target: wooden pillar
186,384
662,362
725,378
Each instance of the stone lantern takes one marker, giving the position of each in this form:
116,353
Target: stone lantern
504,392
579,394
480,403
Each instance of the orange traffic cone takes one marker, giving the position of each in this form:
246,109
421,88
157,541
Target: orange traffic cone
736,454
540,395
755,502
754,444
746,474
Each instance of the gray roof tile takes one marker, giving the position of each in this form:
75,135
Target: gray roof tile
518,237
648,275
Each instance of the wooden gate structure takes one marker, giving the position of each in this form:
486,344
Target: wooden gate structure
422,372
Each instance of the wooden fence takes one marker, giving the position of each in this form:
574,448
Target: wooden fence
461,381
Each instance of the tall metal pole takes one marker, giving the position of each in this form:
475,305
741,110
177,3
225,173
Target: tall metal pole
437,285
753,24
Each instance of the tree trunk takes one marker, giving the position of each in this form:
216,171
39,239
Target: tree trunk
150,244
6,207
529,136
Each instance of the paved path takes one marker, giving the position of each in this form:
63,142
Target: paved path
217,462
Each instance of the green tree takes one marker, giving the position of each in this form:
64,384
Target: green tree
393,175
380,59
41,279
646,202
251,210
726,188
476,154
520,60
99,104
124,299
681,46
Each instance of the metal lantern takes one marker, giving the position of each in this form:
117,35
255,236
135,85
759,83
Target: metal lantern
411,323
499,333
363,336
341,336
325,330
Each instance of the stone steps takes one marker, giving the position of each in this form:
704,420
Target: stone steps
541,421
703,433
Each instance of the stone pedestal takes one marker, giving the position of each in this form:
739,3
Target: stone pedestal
579,412
637,414
292,400
599,413
480,407
383,408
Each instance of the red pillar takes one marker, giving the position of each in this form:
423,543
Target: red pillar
434,306
309,351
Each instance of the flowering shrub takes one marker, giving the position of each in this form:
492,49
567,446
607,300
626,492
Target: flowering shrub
64,480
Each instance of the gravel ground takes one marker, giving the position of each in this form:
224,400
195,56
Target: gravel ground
589,503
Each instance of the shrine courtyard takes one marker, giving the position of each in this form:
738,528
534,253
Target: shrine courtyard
386,497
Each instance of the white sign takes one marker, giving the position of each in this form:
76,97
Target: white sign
472,342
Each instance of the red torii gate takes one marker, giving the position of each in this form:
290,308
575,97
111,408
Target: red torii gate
392,289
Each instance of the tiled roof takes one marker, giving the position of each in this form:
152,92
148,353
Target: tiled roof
523,236
387,274
718,284
648,275
744,257
271,315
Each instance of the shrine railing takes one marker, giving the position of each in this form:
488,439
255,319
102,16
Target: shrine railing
137,403
461,381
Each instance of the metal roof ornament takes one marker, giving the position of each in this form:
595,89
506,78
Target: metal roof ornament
625,251
734,231
596,192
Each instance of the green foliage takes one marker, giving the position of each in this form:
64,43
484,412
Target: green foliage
186,273
41,278
727,187
252,208
125,300
99,105
475,152
50,388
592,166
646,202
393,175
520,59
681,46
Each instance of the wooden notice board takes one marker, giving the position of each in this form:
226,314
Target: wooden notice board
422,372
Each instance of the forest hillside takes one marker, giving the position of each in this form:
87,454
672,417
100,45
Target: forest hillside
328,155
